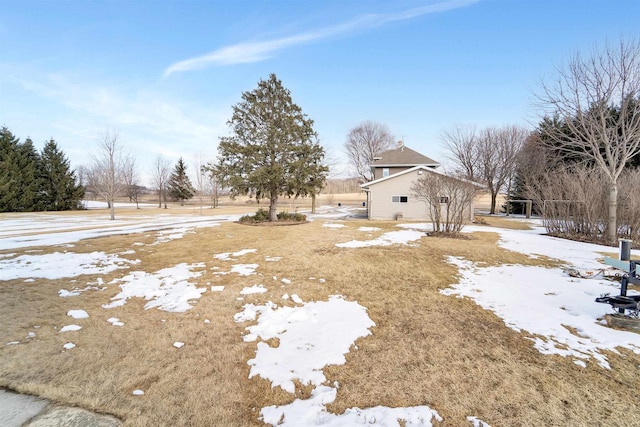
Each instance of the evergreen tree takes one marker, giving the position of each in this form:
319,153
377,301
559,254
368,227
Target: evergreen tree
180,187
28,168
273,150
59,188
9,177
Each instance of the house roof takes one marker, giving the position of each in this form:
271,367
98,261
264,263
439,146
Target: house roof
402,156
366,185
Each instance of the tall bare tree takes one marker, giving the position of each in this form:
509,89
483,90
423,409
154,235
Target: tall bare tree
462,141
597,98
132,181
160,177
364,142
106,175
488,156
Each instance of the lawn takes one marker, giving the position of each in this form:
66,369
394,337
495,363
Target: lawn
333,322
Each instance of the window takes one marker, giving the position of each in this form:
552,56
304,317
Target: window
399,199
385,172
444,199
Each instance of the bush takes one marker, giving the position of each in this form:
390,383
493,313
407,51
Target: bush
262,215
285,216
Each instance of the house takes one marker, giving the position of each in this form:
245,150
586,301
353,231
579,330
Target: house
389,194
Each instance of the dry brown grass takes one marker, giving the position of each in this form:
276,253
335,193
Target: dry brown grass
426,348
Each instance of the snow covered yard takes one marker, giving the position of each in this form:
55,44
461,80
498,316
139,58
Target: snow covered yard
195,320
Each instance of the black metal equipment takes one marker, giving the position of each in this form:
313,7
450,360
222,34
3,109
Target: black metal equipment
623,301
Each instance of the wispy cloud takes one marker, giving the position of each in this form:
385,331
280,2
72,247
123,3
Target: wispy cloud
260,50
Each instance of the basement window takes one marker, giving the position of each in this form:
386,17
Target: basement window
399,199
385,172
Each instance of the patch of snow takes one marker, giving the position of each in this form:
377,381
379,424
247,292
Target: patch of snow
217,288
369,229
580,363
311,336
115,321
207,321
178,344
53,230
285,281
66,294
138,392
68,346
534,244
13,343
313,411
295,298
272,258
168,289
547,303
333,225
244,269
422,226
70,328
59,265
402,237
77,314
255,289
285,296
476,422
226,256
31,335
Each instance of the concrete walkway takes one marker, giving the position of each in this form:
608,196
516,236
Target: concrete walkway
19,410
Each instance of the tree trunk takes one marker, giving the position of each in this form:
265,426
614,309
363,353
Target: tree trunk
313,203
494,195
112,211
273,207
612,224
160,198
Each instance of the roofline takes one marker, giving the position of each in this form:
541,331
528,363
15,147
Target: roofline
375,165
366,185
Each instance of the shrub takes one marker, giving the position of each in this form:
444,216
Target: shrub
285,216
262,215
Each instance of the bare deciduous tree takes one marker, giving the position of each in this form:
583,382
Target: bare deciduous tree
448,200
160,176
132,180
597,97
488,156
461,141
364,142
106,175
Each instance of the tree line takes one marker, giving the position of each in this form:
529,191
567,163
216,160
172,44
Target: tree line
35,181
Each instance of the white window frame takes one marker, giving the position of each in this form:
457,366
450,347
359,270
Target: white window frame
398,199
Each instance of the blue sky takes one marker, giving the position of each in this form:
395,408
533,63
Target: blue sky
165,74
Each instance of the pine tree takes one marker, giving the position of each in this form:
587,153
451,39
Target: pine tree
273,150
59,188
180,188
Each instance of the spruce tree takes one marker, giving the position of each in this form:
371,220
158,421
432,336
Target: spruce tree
59,188
28,168
9,177
180,188
273,149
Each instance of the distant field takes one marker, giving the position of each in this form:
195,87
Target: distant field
522,348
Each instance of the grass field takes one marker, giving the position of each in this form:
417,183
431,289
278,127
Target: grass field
426,348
